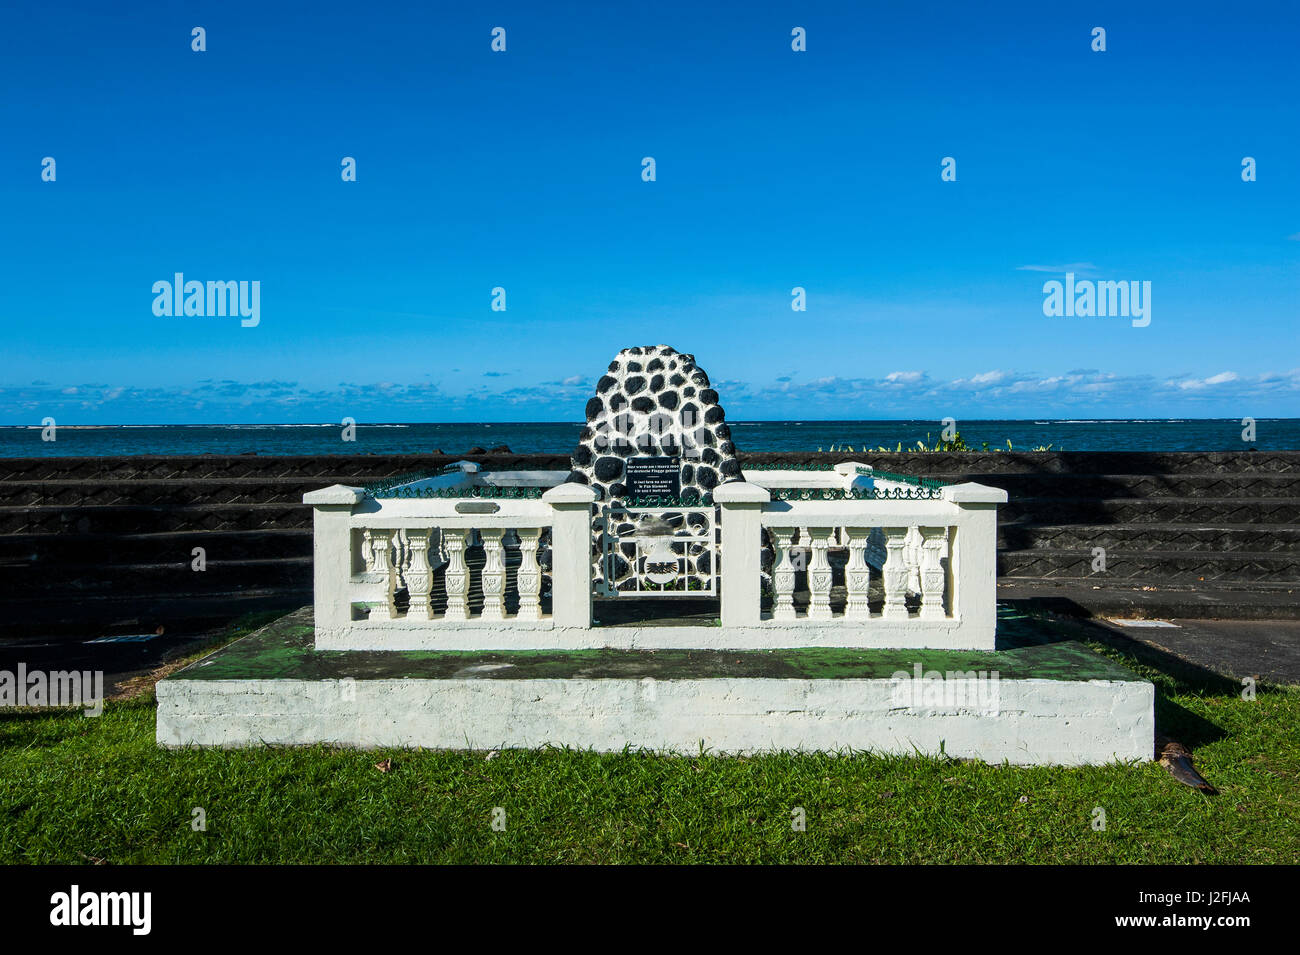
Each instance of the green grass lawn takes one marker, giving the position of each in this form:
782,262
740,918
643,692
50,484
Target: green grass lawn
76,789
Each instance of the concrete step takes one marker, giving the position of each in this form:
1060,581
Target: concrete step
119,549
1152,566
1203,510
138,519
1218,539
74,581
1147,486
178,611
1089,597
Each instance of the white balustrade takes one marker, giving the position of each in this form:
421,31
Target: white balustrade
472,563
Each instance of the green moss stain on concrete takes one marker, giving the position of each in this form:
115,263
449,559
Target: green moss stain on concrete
284,650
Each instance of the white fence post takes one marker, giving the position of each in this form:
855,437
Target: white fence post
332,554
974,562
742,552
571,554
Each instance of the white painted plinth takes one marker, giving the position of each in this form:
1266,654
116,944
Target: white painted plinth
483,635
1037,721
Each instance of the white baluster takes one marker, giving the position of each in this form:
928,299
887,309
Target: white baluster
368,550
456,577
913,554
857,574
895,573
493,575
418,576
380,565
528,580
401,556
819,575
934,547
782,574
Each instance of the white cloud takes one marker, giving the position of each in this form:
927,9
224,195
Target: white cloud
1068,267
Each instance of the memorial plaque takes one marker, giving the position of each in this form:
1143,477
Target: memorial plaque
654,476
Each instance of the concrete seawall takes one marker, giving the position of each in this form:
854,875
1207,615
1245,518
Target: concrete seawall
106,544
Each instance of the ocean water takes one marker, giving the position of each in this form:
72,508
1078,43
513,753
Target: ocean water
1218,434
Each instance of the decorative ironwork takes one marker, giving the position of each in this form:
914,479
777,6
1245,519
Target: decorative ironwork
486,491
664,500
911,493
906,478
788,467
375,488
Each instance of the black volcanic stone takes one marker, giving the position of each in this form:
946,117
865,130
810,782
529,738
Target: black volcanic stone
698,377
706,477
643,404
723,431
714,414
660,423
634,366
614,366
730,468
657,383
726,447
668,400
618,489
688,392
709,396
709,456
582,456
634,351
688,474
605,383
586,434
608,469
594,407
655,365
689,416
634,384
617,403
577,477
676,380
645,444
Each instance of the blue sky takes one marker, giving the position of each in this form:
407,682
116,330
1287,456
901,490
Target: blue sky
522,170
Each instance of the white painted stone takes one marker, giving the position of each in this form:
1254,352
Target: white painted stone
1036,722
877,633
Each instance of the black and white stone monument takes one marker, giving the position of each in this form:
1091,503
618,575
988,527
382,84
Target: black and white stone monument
655,429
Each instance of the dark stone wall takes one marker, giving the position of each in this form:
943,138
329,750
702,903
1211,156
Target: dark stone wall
100,545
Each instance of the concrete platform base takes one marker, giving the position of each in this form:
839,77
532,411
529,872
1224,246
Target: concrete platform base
1040,701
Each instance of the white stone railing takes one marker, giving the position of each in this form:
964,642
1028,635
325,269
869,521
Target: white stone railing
367,548
943,549
931,555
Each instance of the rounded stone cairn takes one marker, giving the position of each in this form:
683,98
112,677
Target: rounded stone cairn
654,401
